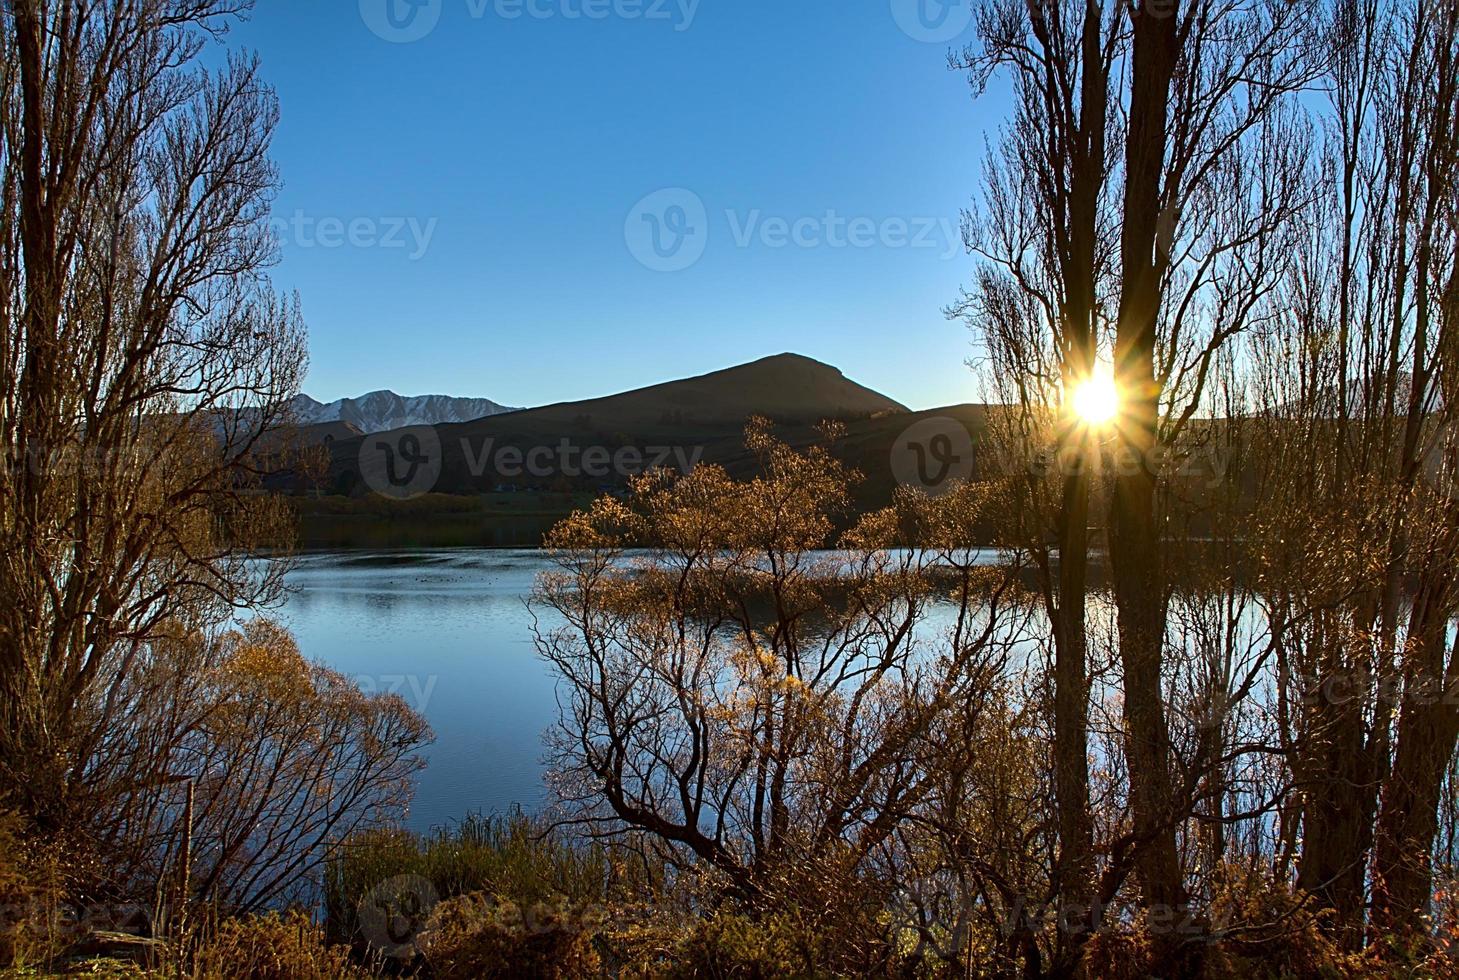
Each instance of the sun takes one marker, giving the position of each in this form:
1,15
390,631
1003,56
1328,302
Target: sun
1096,401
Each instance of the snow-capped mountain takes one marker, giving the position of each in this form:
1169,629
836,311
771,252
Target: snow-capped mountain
382,410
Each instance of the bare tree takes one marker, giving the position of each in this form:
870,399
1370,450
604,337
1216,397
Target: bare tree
1154,257
1365,389
1040,315
145,355
754,706
282,758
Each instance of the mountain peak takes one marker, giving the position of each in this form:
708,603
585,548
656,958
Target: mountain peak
790,359
785,387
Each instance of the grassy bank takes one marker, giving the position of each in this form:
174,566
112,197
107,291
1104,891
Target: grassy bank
509,896
498,520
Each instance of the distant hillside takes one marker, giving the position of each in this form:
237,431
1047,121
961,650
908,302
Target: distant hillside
492,510
379,411
878,448
327,432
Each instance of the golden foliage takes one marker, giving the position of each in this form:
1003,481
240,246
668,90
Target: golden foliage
478,936
273,947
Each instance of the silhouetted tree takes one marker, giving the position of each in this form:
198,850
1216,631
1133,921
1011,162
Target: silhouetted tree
145,355
1139,207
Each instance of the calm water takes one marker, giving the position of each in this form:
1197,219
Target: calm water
450,632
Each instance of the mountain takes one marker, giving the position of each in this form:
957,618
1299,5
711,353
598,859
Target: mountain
701,417
382,410
785,388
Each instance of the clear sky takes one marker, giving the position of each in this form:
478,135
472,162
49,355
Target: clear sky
502,198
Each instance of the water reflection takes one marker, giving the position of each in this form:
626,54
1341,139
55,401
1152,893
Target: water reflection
449,631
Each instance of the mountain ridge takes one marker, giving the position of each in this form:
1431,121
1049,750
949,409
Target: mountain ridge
382,410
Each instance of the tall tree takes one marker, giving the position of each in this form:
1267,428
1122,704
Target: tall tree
1358,400
1191,223
145,356
1038,314
1421,106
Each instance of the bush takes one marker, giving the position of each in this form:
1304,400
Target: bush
15,892
272,947
1267,930
515,858
97,969
478,936
36,874
654,943
733,946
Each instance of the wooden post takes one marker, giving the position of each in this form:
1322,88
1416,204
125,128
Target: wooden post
185,860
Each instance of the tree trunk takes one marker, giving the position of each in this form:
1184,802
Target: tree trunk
1134,541
1071,720
1428,726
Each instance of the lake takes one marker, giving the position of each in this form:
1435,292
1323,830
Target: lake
449,631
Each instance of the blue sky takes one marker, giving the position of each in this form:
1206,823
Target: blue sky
542,200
